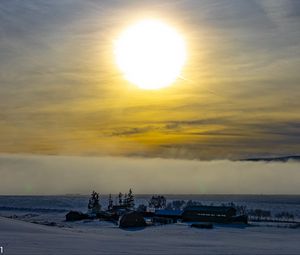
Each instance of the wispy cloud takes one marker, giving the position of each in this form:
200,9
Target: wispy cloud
60,91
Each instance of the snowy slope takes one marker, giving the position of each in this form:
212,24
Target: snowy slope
18,237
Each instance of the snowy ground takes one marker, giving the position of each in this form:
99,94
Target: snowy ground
19,237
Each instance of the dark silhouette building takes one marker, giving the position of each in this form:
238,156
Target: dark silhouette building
131,220
219,214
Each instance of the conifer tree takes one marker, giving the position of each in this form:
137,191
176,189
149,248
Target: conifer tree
130,199
94,205
110,202
120,198
125,200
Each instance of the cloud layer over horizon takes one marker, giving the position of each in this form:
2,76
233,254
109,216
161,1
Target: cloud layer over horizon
53,175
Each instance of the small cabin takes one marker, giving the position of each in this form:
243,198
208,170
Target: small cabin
219,214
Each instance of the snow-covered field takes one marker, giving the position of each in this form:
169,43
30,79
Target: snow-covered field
95,237
18,237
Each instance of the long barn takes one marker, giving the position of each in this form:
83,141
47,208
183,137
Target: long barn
220,214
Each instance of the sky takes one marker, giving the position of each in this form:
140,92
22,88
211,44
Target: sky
61,92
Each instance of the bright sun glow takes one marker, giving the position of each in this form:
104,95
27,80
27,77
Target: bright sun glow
150,54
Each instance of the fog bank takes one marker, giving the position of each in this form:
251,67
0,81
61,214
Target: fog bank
51,175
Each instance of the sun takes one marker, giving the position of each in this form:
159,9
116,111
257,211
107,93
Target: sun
150,54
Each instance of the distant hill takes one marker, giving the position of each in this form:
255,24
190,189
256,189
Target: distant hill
275,159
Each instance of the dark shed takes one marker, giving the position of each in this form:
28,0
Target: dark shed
131,220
